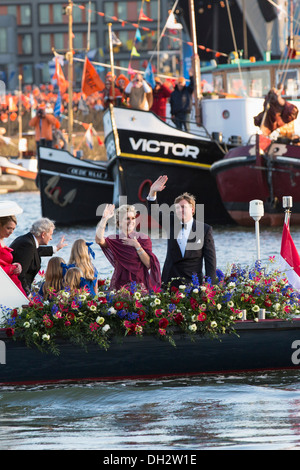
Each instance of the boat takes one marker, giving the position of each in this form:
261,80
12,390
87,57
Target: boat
140,147
72,189
21,170
259,172
266,345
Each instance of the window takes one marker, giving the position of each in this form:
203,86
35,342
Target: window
290,80
254,83
21,12
26,70
45,43
24,44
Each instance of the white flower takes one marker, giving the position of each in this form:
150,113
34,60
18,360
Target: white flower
112,310
255,308
46,337
276,307
137,295
195,291
213,324
93,308
157,302
230,304
36,334
182,287
100,320
26,324
219,306
105,328
231,285
193,327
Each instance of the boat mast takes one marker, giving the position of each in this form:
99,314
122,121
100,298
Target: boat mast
111,56
196,63
69,56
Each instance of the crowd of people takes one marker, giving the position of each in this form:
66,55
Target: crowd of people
129,251
135,93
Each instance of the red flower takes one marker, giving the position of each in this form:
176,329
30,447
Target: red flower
178,318
14,313
47,321
70,316
118,305
163,323
10,332
194,303
202,316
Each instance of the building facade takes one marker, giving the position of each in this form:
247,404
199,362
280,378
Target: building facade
30,32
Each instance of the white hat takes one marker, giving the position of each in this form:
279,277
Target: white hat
9,208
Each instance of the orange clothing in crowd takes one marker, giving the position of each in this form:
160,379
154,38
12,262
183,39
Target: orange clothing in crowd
43,129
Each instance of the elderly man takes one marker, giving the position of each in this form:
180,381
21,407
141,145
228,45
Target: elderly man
29,248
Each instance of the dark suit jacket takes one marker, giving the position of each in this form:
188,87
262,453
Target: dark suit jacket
29,256
203,252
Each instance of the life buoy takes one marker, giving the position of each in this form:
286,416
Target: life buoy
140,191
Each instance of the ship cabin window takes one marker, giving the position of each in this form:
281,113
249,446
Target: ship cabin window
291,82
253,83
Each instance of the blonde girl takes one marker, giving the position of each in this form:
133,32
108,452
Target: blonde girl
80,256
53,277
73,279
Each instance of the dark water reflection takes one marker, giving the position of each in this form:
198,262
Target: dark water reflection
257,411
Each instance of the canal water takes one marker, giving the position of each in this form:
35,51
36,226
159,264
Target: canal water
241,412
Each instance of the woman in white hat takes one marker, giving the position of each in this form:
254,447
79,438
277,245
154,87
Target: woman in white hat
8,223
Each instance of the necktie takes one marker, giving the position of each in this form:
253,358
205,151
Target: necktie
182,239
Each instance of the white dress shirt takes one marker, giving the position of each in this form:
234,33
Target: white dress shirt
183,236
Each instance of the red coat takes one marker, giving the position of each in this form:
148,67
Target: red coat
160,97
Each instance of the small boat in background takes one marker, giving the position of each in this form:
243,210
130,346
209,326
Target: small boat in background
19,174
72,189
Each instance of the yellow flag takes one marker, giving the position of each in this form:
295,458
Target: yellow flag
134,52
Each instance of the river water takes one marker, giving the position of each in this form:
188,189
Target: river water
240,412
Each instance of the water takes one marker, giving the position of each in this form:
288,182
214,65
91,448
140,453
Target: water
240,412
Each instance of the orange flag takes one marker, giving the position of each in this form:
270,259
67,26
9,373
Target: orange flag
59,76
91,82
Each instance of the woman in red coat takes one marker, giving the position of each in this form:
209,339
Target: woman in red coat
161,93
7,226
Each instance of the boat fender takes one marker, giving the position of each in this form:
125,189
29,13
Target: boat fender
140,191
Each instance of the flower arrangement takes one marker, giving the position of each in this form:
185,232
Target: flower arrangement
210,309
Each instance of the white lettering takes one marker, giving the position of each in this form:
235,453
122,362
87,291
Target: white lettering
295,356
176,149
136,145
2,352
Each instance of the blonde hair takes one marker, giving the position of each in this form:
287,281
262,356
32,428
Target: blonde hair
81,258
187,197
123,210
73,278
53,275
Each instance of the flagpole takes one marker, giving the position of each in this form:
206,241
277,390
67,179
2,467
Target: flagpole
196,63
69,11
20,114
111,55
287,204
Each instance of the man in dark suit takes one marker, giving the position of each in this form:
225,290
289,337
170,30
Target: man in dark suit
190,241
29,248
